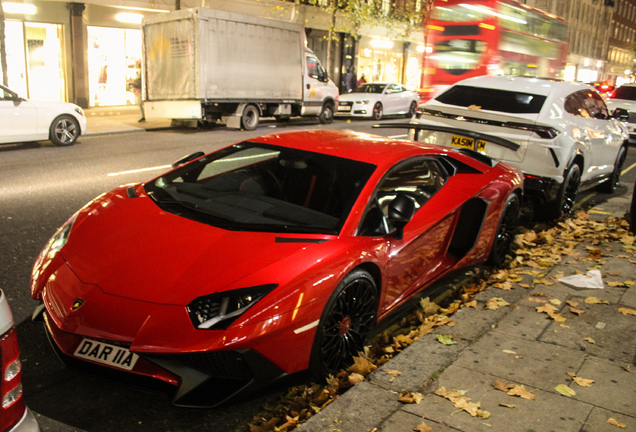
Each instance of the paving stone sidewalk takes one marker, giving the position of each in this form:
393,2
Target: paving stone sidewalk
517,345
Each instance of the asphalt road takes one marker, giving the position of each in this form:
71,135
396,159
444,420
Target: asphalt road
40,187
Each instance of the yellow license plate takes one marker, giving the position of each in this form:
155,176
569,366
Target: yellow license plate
468,143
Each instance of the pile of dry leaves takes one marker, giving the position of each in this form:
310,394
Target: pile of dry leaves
536,251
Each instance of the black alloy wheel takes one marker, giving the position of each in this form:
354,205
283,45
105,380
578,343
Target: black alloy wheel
412,110
564,202
506,231
346,324
610,185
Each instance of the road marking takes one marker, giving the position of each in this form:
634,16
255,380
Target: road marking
162,167
599,212
627,169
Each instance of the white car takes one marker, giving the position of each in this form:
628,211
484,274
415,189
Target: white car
25,120
561,134
375,100
625,97
14,415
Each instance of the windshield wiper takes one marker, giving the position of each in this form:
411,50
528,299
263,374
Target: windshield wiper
195,207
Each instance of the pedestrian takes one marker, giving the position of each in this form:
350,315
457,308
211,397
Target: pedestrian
350,80
135,84
361,81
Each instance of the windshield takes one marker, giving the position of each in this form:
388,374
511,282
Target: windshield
370,88
493,99
256,187
625,92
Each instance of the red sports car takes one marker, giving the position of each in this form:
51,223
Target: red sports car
268,257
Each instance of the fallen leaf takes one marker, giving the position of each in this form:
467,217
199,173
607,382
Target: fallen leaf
590,340
509,352
616,423
471,304
546,308
565,390
626,311
582,381
627,368
394,373
572,303
355,379
460,401
409,398
520,390
577,311
615,284
422,427
495,303
362,366
555,302
506,405
445,339
594,300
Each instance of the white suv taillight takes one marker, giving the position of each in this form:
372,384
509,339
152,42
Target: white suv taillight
11,401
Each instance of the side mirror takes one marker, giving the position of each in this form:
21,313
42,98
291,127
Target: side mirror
401,211
186,159
621,114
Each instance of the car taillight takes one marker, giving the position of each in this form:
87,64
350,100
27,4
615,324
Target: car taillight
11,401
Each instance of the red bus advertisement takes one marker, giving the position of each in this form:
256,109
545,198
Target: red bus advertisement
467,38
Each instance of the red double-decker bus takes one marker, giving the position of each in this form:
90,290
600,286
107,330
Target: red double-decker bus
466,38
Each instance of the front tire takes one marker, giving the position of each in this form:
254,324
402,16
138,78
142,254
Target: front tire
378,112
327,113
610,185
346,324
250,117
412,110
564,203
64,131
506,231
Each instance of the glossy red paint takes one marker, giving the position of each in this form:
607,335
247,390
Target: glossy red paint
135,268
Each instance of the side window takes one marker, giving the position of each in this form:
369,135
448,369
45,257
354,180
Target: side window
394,88
312,67
419,179
574,105
596,106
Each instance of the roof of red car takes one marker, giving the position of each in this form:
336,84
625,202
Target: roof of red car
359,146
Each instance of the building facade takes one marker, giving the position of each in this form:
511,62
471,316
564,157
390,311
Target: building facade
88,53
622,43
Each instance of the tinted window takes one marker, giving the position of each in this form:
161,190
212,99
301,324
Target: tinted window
493,99
255,187
586,104
625,92
420,179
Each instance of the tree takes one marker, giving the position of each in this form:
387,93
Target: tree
3,49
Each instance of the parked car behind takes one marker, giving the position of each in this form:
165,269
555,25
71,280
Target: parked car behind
625,97
375,100
566,136
14,415
26,120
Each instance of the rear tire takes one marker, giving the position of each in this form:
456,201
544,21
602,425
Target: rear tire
506,231
610,185
250,117
346,324
412,110
64,131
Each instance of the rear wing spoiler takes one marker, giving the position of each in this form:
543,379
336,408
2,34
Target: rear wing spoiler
452,130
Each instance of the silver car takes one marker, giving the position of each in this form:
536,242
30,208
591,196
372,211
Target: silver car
625,97
375,100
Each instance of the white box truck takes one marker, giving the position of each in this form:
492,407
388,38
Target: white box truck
209,65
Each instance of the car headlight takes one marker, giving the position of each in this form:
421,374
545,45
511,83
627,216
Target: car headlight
59,239
217,311
363,102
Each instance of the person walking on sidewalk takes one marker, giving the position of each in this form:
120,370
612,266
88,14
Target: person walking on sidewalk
135,84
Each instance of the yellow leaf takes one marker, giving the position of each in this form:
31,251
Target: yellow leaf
590,340
547,308
577,311
408,397
582,381
495,303
445,339
520,390
509,352
555,302
616,423
506,405
572,303
422,427
394,373
626,311
594,300
565,390
355,379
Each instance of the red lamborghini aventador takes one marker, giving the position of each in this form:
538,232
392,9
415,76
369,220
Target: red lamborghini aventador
268,257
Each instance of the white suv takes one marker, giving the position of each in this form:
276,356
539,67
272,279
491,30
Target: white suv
625,97
560,134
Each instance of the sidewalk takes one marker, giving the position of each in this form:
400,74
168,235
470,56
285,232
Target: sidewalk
516,345
117,119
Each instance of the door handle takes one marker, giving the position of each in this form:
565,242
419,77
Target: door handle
308,86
